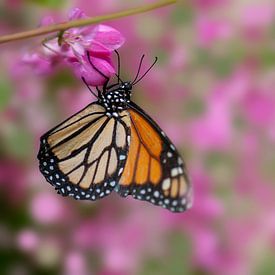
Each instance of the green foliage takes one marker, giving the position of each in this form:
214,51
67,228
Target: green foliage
182,15
177,258
49,3
5,93
267,266
268,57
194,107
18,142
61,79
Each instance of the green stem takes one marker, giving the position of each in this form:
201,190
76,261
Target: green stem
82,22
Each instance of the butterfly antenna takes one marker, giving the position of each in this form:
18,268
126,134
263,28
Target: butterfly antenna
118,67
135,82
84,80
101,73
139,67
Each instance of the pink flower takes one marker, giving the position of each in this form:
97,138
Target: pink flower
256,18
211,31
75,264
27,240
99,42
40,62
206,4
47,208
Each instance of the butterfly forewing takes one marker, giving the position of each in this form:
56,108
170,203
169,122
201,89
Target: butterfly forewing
154,171
84,156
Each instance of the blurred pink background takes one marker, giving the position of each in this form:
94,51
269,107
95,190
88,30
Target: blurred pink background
212,91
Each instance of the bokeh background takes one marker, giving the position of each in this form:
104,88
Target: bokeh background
212,91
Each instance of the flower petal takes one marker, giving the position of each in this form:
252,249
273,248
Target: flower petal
76,13
108,36
46,21
40,64
85,69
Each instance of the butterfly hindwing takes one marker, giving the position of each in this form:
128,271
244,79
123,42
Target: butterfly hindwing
84,156
154,171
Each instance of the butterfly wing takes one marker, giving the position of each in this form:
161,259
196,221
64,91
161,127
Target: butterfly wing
83,156
154,171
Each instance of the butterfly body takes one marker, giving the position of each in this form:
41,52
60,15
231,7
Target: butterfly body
113,145
115,100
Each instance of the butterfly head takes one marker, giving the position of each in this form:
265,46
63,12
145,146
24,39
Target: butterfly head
126,86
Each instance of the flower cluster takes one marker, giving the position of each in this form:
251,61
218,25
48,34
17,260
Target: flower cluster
73,47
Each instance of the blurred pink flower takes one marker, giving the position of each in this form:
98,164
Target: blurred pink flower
209,3
213,130
47,208
27,240
256,18
206,248
40,62
99,42
12,176
75,264
259,108
210,31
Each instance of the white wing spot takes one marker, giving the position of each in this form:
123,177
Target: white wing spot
174,203
166,201
156,194
174,172
113,183
120,171
166,184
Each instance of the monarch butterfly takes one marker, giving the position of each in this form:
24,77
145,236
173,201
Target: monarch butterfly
113,145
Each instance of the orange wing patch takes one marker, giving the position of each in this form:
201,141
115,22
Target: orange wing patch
143,161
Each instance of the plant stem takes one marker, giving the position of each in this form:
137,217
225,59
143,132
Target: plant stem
82,22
